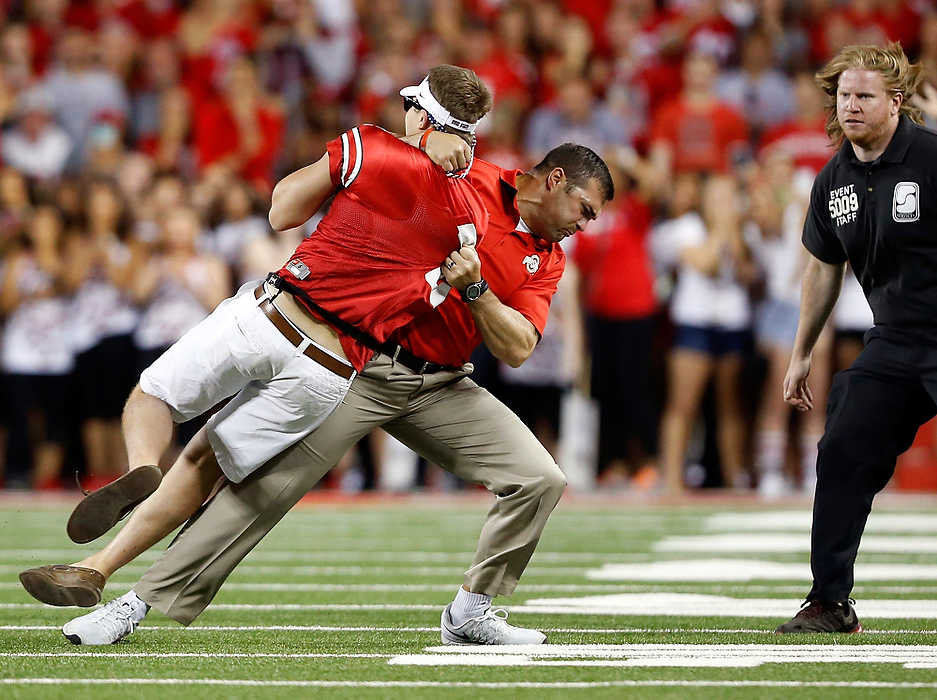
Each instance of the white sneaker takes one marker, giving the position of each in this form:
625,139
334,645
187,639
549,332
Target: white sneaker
490,628
108,624
773,485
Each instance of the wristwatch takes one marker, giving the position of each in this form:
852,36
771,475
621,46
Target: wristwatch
474,290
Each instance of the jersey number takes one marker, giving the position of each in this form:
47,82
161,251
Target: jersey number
846,204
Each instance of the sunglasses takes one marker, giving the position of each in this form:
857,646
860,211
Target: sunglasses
409,103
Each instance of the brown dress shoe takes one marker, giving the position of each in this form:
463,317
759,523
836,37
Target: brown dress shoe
102,509
61,584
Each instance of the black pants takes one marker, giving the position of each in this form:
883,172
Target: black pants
33,396
622,386
874,411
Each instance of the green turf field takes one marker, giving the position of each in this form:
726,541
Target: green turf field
344,602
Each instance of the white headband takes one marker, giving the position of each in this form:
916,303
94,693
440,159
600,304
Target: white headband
424,98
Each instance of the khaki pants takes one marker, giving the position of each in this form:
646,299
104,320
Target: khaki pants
445,416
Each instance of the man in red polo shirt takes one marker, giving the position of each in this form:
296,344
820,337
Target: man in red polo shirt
418,390
374,263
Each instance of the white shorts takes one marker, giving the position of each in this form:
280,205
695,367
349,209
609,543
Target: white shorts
282,395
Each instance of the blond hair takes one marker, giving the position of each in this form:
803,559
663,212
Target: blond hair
900,76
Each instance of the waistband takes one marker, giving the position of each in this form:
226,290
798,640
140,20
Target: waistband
312,351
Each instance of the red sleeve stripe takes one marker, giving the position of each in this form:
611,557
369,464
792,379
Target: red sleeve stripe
351,157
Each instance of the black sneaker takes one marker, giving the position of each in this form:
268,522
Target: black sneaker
818,617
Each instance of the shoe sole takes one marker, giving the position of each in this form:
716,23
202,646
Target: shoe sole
452,642
102,509
855,630
43,588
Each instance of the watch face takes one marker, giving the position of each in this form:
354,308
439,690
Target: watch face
472,291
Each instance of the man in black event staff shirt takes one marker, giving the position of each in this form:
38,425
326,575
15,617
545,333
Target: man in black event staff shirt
875,206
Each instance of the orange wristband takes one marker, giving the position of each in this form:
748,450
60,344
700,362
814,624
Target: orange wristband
424,138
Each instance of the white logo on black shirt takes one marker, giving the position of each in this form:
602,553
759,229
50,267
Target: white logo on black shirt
906,204
843,204
532,263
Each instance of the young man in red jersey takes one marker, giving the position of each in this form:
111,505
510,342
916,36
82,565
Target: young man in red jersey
376,259
418,390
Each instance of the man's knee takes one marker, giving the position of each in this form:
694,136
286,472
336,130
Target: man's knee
552,481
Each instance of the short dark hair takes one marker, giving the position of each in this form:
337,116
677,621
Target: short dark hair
462,92
580,164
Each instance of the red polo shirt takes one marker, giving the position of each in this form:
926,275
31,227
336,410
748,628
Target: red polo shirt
520,269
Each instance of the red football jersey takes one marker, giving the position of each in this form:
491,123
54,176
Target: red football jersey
521,270
374,258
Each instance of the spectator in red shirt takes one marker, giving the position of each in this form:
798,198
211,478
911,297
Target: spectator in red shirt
499,59
696,132
214,33
151,18
242,130
16,58
928,41
160,110
617,290
803,137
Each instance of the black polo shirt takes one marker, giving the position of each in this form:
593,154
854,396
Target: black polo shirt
881,216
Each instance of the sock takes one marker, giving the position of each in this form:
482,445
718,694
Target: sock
140,608
770,446
468,605
808,462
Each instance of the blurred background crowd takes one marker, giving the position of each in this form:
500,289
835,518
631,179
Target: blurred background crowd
141,140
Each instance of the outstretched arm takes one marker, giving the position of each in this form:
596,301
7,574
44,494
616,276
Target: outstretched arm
820,289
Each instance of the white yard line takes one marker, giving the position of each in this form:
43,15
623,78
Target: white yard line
701,605
190,655
313,555
558,630
375,571
667,655
636,604
278,606
688,570
800,521
237,628
121,586
466,684
762,543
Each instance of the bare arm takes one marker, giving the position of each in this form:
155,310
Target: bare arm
705,257
212,285
300,194
820,289
448,151
506,332
818,295
9,290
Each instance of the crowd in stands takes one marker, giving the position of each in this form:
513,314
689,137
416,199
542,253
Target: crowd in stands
141,140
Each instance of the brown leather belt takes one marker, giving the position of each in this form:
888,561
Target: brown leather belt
279,321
